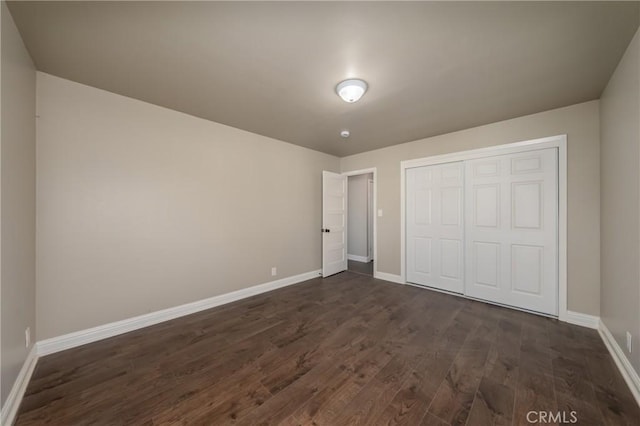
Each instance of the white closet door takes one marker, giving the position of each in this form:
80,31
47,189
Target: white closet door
511,214
434,226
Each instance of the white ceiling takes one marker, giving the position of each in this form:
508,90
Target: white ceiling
271,68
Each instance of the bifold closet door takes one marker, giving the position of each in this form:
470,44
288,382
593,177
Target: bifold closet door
434,220
511,215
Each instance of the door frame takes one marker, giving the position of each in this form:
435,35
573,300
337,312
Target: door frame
559,142
374,172
370,215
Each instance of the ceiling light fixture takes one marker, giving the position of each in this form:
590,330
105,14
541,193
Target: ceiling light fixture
345,133
351,90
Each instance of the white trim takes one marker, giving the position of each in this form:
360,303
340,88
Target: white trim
14,399
370,218
359,172
559,142
563,289
389,277
403,226
584,320
622,362
82,337
374,171
357,258
489,151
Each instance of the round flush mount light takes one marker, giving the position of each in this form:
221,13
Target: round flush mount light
351,90
345,133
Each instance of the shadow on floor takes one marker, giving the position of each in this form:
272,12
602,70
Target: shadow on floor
361,267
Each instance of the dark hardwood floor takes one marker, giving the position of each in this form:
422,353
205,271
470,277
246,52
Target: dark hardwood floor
344,350
365,268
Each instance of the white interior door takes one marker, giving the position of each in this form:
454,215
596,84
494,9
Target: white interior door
434,218
334,223
511,221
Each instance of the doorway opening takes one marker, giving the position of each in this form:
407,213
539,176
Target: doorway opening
360,223
349,216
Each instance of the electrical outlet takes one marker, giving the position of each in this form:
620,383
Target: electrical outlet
274,271
27,337
629,347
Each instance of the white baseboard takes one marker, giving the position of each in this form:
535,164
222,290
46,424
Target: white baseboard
357,258
14,399
82,337
622,362
584,320
388,277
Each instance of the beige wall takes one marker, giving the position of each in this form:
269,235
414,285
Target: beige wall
579,122
17,310
141,208
620,181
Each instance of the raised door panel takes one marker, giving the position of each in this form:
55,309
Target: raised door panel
451,206
527,269
486,205
527,204
422,255
451,259
486,264
422,206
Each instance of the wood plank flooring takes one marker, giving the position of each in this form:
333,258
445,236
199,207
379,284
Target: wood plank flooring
344,350
360,267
